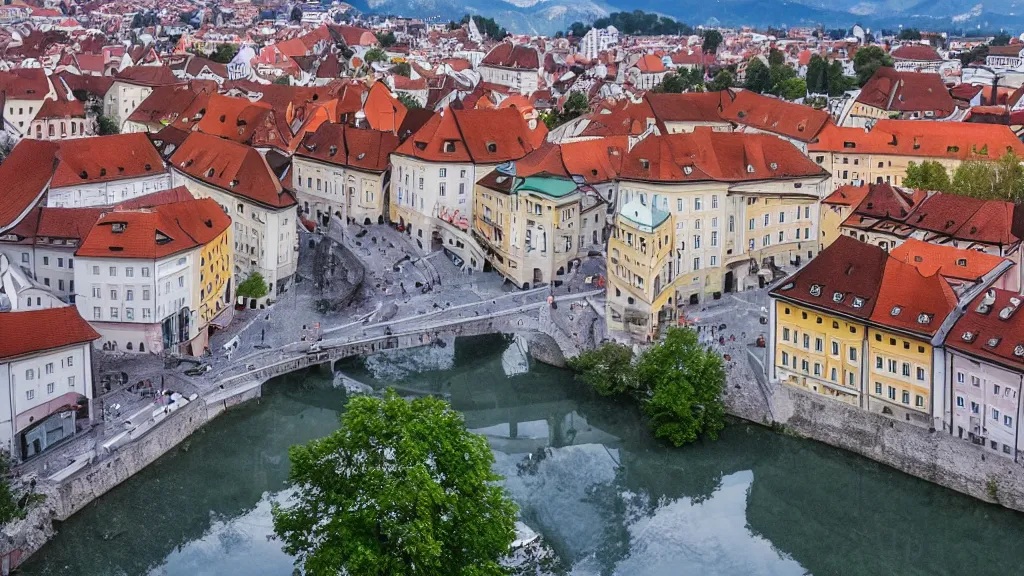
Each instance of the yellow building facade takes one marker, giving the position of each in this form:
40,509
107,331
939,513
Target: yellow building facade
900,374
640,271
212,286
819,352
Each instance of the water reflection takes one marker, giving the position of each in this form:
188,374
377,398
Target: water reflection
585,473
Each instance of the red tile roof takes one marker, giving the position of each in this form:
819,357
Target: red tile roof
147,76
862,281
105,159
650,63
507,55
721,156
347,146
597,160
155,233
26,173
791,120
479,136
847,195
922,138
948,261
984,333
907,92
234,118
689,107
24,84
61,108
235,168
915,52
41,330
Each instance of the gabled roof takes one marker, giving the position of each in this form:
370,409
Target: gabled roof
992,329
507,55
916,52
922,138
235,168
479,136
24,84
41,330
847,195
896,91
344,145
689,107
947,261
650,64
910,301
153,233
720,156
791,120
26,173
596,160
105,159
233,118
147,76
166,103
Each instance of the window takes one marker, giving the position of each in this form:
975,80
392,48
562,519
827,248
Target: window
145,313
767,219
960,377
129,294
834,374
442,189
1007,421
817,369
714,238
974,408
71,381
679,205
71,361
30,374
892,393
113,271
849,378
878,362
181,281
906,369
995,389
129,314
919,401
785,334
751,225
113,294
49,367
714,260
698,203
49,388
696,241
714,200
878,388
835,348
960,401
995,414
920,373
442,172
46,260
145,271
96,292
853,354
785,359
96,315
782,217
807,342
145,293
804,365
696,263
95,270
113,313
906,397
30,394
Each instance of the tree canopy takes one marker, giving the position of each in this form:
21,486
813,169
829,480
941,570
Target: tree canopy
868,60
681,81
712,40
402,69
677,383
400,488
776,78
574,106
386,39
487,27
105,125
724,79
909,34
999,180
408,101
254,286
636,23
224,53
1001,39
374,55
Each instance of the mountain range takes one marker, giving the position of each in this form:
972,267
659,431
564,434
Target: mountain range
548,16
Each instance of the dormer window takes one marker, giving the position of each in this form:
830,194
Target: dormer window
838,297
332,150
492,147
968,336
815,289
924,318
896,310
118,227
858,302
687,170
774,166
645,163
1018,350
993,342
361,156
209,173
750,168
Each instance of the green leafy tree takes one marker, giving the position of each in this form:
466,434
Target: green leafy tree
408,101
106,125
712,40
817,75
837,82
608,369
487,26
977,54
724,79
400,488
283,80
909,34
578,29
574,106
792,88
374,55
758,77
681,81
224,53
975,178
778,75
776,57
386,39
1009,178
686,383
928,175
868,60
254,286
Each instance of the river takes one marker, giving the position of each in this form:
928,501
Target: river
584,471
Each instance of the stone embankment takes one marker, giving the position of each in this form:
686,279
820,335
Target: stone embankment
933,456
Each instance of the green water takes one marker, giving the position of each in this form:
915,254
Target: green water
607,498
